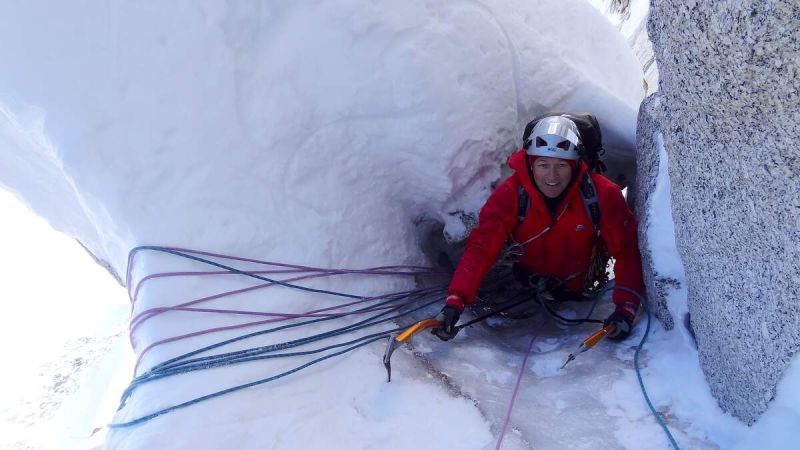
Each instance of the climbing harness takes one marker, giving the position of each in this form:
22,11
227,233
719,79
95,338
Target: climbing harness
596,275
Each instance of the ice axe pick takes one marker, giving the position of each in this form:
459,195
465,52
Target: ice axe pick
395,340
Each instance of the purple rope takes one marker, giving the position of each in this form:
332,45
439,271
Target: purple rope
514,395
133,253
259,322
140,318
148,313
239,312
410,270
205,273
145,315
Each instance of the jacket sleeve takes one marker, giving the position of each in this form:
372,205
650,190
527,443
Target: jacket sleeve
495,222
618,230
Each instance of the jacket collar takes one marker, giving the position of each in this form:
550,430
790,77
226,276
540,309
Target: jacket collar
518,161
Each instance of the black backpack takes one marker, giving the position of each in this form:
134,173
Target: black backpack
591,148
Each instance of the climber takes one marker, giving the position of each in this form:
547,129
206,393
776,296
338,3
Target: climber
569,218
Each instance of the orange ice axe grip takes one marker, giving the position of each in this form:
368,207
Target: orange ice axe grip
598,336
416,328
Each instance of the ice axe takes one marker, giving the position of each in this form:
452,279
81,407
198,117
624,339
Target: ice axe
590,342
395,340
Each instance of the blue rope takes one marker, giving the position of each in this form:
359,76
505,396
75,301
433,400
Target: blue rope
392,297
641,382
177,360
642,301
184,363
240,387
249,354
655,413
174,366
234,356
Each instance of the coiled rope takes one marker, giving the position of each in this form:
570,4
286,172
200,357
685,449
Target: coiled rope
386,308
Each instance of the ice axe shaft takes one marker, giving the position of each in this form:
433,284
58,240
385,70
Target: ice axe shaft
395,340
590,342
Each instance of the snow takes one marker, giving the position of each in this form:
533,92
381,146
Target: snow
626,22
321,133
775,428
248,92
61,335
661,235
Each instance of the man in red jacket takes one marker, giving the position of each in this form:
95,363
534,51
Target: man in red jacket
557,237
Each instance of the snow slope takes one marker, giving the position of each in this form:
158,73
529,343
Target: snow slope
255,96
312,133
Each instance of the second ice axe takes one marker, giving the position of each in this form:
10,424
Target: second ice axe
590,342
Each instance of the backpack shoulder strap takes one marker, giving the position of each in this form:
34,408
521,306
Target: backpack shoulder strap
523,204
588,195
590,201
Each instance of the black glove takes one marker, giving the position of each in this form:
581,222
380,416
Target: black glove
524,276
448,317
622,325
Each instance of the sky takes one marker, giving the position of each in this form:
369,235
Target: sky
330,136
63,319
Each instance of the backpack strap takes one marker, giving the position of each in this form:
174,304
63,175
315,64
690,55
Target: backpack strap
590,201
523,204
588,194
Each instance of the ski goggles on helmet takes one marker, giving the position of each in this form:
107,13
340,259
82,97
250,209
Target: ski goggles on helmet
555,137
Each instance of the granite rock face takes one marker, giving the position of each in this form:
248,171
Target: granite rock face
730,93
647,165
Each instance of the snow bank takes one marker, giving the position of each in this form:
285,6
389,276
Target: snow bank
776,427
238,107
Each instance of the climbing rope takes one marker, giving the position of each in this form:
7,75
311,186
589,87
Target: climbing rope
400,303
308,272
197,400
384,308
511,402
641,382
597,296
187,254
184,364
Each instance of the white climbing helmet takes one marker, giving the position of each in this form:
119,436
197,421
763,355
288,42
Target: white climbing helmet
556,137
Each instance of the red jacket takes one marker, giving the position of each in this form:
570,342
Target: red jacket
564,245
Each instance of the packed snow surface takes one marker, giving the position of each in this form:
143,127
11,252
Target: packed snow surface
324,133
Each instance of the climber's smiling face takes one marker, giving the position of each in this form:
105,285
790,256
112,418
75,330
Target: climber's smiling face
552,175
